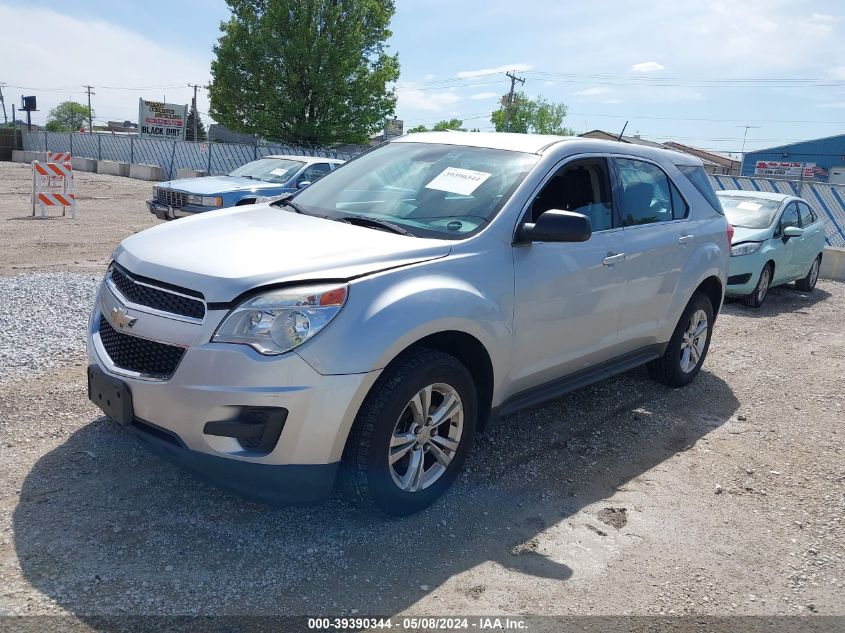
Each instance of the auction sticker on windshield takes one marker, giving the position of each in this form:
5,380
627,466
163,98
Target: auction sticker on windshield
457,180
749,206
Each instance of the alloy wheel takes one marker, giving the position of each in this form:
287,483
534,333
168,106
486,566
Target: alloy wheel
814,273
763,286
426,437
694,341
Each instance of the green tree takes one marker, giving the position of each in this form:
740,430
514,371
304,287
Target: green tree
312,71
68,116
451,124
536,116
189,129
440,126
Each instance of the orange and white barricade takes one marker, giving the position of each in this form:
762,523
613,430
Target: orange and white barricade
57,157
43,174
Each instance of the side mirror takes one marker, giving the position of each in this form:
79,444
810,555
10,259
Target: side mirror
793,231
303,183
558,226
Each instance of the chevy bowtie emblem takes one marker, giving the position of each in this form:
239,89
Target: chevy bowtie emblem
120,317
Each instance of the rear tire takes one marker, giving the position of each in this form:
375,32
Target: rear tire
809,282
761,290
412,434
686,350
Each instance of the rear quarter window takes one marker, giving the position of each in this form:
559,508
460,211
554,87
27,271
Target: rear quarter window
699,179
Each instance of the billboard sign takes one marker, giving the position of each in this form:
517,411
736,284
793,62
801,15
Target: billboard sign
393,127
778,169
162,120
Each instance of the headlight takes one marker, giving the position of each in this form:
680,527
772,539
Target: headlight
746,248
205,201
276,322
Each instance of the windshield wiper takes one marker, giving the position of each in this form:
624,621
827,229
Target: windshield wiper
286,201
373,223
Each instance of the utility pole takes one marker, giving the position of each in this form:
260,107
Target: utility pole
90,122
2,101
744,137
509,106
194,108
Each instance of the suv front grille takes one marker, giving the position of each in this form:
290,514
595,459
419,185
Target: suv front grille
171,198
140,355
155,298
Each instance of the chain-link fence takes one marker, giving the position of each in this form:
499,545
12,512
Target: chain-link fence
215,158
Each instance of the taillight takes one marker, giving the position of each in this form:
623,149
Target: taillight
730,234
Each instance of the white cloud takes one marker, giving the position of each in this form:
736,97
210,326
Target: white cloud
484,95
430,101
824,17
592,92
97,52
471,74
835,104
647,67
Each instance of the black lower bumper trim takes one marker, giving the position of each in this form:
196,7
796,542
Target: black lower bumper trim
267,483
738,280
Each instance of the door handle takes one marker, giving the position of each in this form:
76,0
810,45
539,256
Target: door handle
683,239
613,258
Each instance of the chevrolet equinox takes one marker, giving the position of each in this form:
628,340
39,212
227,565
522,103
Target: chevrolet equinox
362,330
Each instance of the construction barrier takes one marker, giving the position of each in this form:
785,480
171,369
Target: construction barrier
57,157
44,175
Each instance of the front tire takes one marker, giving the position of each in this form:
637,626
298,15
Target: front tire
758,296
688,346
809,282
412,434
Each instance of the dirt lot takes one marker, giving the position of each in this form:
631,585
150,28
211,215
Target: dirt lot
722,498
108,209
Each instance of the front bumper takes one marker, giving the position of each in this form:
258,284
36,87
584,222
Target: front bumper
267,483
165,212
215,382
744,273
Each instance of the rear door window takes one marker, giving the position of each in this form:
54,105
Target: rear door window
648,196
806,214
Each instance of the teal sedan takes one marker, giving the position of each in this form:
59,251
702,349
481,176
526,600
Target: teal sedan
777,239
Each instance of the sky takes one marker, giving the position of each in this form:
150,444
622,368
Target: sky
694,72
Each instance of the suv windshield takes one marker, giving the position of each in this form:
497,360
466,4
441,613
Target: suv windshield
276,170
751,213
431,190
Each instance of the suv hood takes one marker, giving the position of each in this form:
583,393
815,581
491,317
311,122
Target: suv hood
225,253
218,184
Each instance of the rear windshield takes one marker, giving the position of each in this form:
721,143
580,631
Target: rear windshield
698,177
748,212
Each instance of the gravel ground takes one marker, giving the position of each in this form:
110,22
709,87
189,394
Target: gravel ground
43,319
722,498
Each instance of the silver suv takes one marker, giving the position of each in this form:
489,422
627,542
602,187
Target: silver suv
364,329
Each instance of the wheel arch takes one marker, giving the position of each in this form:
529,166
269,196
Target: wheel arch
472,353
714,290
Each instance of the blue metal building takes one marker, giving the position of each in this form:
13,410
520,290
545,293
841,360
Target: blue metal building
822,160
